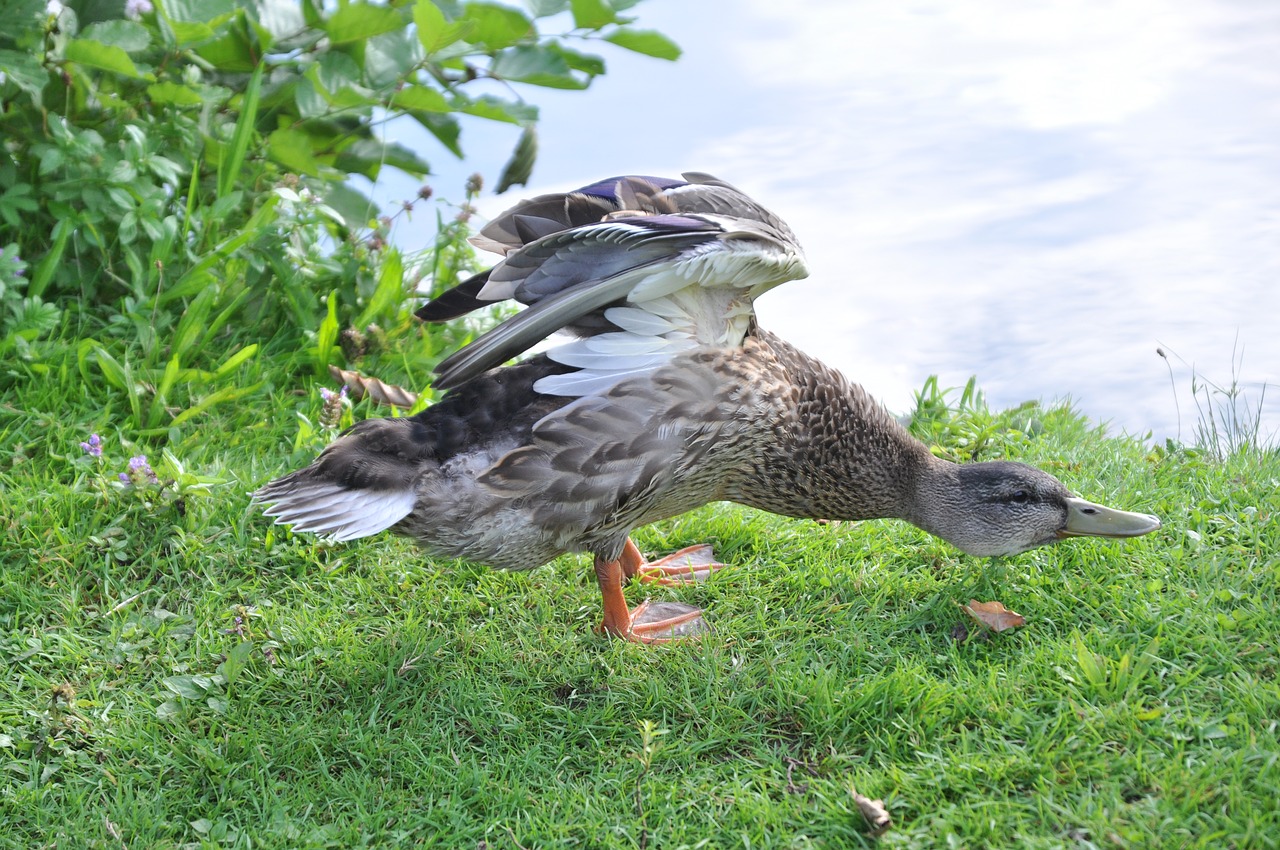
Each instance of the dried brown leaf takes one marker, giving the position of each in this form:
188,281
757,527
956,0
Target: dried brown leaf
359,386
993,615
876,815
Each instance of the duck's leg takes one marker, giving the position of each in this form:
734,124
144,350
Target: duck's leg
690,565
650,622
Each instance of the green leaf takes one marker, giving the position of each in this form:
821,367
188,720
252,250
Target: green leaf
337,79
310,99
588,63
117,376
191,325
233,52
235,661
214,398
49,263
497,26
366,156
170,709
210,12
592,14
294,150
23,19
224,315
360,156
420,98
353,205
520,166
189,687
537,65
497,109
129,36
430,23
187,34
434,32
648,42
26,72
229,166
282,18
174,94
105,57
160,399
444,127
232,362
327,336
388,293
352,99
334,72
391,58
359,21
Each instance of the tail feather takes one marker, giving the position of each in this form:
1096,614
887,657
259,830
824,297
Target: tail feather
322,507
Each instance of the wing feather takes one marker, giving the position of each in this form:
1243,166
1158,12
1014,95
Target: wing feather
677,261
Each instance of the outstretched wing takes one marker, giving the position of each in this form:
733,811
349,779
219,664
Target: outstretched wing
643,267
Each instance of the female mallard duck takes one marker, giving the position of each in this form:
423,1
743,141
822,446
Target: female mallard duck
671,398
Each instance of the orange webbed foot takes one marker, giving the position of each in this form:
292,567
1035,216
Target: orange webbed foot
653,622
690,565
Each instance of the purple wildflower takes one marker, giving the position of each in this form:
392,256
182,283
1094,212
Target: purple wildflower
93,448
331,415
139,471
134,9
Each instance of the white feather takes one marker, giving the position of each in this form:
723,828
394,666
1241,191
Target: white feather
663,282
639,321
325,508
586,382
624,342
613,351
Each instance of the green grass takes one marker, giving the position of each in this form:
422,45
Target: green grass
184,674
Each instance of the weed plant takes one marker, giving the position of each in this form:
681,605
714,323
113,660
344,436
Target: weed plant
1227,422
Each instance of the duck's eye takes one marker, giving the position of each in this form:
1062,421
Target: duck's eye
1019,497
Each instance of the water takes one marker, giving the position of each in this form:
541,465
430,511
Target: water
1038,194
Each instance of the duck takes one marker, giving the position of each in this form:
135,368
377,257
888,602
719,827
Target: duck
666,396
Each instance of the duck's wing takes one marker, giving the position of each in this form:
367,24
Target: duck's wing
534,219
456,302
574,274
643,283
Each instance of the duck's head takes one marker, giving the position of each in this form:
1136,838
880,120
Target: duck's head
1003,508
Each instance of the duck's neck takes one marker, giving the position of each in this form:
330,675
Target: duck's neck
836,453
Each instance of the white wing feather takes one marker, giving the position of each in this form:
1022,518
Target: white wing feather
344,514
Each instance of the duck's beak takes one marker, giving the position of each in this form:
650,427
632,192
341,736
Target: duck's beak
1085,519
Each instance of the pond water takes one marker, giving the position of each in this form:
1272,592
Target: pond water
1039,194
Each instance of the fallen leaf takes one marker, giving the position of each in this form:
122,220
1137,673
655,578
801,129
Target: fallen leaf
876,814
362,385
993,615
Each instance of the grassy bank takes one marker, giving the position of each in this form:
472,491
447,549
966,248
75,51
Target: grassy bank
180,673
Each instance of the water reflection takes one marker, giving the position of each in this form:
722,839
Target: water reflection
1040,194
